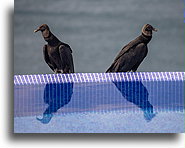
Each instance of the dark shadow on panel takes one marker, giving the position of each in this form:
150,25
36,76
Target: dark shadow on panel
136,93
56,95
9,71
157,137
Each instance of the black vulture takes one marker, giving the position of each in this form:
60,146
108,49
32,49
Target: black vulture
58,55
131,56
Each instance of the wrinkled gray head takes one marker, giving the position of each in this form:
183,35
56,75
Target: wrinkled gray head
42,28
147,30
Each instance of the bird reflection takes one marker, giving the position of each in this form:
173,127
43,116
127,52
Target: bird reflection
56,95
136,93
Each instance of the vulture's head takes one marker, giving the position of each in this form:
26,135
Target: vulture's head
148,29
44,29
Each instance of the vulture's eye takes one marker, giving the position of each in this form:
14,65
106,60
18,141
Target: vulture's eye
43,28
148,29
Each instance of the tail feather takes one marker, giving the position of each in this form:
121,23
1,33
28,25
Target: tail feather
114,67
109,69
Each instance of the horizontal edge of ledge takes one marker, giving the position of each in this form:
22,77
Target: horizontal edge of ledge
97,77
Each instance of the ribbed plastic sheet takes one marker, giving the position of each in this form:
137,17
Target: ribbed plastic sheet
146,93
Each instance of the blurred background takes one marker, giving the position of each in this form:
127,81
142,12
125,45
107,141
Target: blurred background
97,30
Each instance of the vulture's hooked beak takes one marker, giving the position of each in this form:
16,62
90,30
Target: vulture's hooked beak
154,29
36,30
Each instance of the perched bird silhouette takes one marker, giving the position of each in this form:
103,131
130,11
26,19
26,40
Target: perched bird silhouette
131,56
136,93
57,55
56,96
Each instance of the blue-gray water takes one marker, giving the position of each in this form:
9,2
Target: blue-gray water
97,30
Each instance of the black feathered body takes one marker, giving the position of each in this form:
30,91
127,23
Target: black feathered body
58,55
131,55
